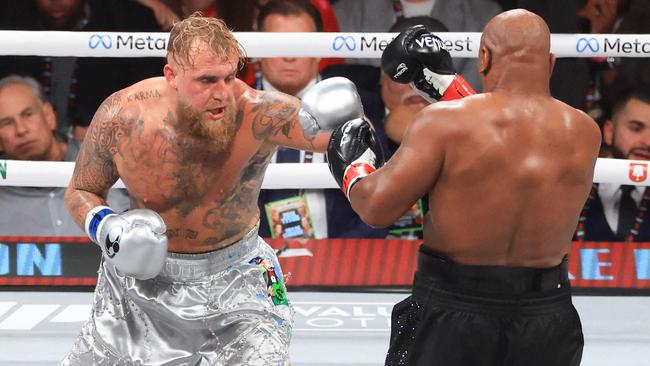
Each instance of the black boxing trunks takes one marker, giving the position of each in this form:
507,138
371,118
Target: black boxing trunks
486,315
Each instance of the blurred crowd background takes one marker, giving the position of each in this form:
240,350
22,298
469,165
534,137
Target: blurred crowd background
46,103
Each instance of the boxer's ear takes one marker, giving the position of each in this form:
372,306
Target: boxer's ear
170,75
551,61
484,60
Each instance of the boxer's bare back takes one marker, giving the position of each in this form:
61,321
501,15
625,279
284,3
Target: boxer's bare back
507,171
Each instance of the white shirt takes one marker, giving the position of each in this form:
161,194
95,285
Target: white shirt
315,197
417,9
610,197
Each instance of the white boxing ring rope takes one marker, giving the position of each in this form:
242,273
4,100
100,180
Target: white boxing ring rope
289,175
296,44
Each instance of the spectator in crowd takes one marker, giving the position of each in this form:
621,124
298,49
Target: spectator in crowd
401,101
616,212
613,75
398,105
166,12
330,215
76,86
27,132
457,16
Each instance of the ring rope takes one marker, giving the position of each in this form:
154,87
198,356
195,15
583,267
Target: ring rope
297,44
281,176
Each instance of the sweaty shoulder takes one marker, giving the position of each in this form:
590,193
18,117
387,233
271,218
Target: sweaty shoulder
453,116
439,124
585,128
146,93
126,108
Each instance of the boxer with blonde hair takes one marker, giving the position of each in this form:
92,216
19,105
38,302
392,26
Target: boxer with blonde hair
185,279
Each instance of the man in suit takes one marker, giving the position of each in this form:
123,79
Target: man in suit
615,212
323,212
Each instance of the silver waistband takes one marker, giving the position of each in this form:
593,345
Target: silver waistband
187,267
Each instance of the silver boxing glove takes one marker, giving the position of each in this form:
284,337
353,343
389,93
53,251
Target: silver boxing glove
133,241
328,104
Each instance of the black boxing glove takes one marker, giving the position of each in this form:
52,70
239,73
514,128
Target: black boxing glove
353,152
418,57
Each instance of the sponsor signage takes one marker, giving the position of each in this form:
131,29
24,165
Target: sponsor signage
612,45
373,44
74,261
43,261
128,41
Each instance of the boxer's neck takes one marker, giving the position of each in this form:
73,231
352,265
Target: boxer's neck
518,78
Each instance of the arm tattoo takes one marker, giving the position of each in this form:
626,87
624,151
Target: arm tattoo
272,116
95,171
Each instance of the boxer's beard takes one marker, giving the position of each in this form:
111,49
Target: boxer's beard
217,134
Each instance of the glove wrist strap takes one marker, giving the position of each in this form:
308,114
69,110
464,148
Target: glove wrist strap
353,173
94,219
459,88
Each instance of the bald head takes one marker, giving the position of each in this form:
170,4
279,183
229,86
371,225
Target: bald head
517,33
515,52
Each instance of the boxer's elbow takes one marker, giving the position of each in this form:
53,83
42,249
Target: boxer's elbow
371,207
376,221
375,216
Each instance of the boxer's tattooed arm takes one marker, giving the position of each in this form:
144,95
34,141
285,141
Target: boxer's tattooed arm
273,116
95,171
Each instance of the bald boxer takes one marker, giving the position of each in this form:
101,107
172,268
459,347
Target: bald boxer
507,173
185,279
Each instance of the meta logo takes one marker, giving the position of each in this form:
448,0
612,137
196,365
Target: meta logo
638,172
127,41
96,40
344,41
587,43
618,45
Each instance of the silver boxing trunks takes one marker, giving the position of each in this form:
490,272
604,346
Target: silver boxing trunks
227,307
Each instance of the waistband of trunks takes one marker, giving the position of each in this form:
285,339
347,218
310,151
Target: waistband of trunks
193,267
491,279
